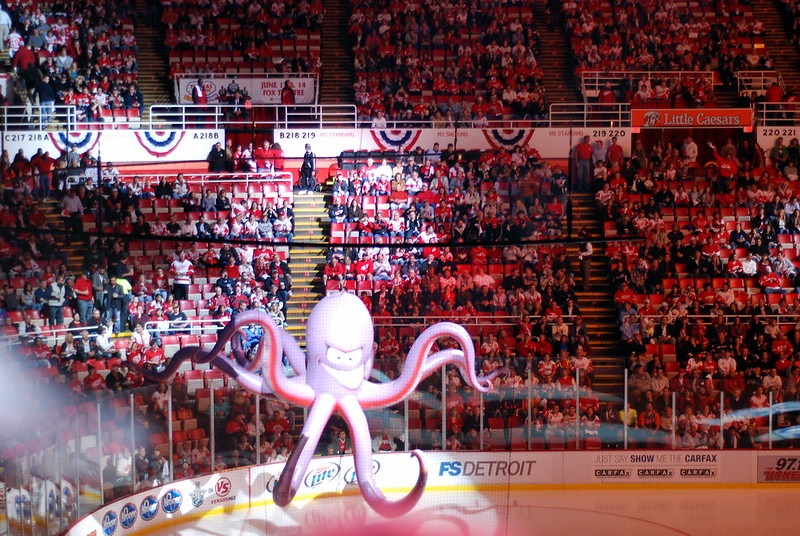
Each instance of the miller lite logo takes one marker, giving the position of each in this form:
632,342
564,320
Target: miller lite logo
322,474
652,119
222,487
171,501
109,523
149,507
128,515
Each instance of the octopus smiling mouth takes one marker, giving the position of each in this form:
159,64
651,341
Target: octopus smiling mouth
346,367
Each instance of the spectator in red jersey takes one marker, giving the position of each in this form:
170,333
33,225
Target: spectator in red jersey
728,168
770,282
333,271
154,357
84,295
277,424
94,382
262,158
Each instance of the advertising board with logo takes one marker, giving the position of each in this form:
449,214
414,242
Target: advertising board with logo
18,504
395,473
778,469
110,523
476,469
148,508
204,493
331,475
692,117
548,142
655,466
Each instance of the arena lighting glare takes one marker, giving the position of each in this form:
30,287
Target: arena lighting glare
332,376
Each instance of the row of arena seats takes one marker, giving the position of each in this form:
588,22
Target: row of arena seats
114,119
306,43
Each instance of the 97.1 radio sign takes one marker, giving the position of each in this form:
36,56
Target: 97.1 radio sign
779,469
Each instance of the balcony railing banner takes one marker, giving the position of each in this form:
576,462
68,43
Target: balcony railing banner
548,142
261,89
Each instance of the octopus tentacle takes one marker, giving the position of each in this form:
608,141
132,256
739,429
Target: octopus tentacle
419,365
464,359
292,475
378,501
199,355
362,457
251,381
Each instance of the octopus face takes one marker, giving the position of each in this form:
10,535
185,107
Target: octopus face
346,367
342,347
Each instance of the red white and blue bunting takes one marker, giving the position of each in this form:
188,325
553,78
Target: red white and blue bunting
508,137
396,140
82,140
159,143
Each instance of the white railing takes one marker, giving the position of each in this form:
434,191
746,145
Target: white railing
315,116
51,337
37,118
779,114
283,179
758,81
33,117
592,82
580,114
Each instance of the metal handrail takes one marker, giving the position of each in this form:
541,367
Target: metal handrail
758,81
189,116
284,178
591,115
593,81
778,114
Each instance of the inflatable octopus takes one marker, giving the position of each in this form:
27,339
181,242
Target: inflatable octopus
333,376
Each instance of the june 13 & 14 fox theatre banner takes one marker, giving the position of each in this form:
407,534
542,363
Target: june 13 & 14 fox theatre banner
264,90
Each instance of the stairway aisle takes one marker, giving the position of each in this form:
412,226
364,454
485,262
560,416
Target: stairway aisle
777,41
597,305
152,62
336,86
310,225
555,58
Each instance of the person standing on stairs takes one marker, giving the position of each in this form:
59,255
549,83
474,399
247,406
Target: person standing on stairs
583,153
308,169
585,252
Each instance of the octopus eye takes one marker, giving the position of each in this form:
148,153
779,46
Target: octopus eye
334,355
338,357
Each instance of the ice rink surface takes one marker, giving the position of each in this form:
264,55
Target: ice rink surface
642,511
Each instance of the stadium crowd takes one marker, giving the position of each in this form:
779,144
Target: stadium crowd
431,196
665,36
457,62
76,55
261,37
698,304
702,301
130,279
